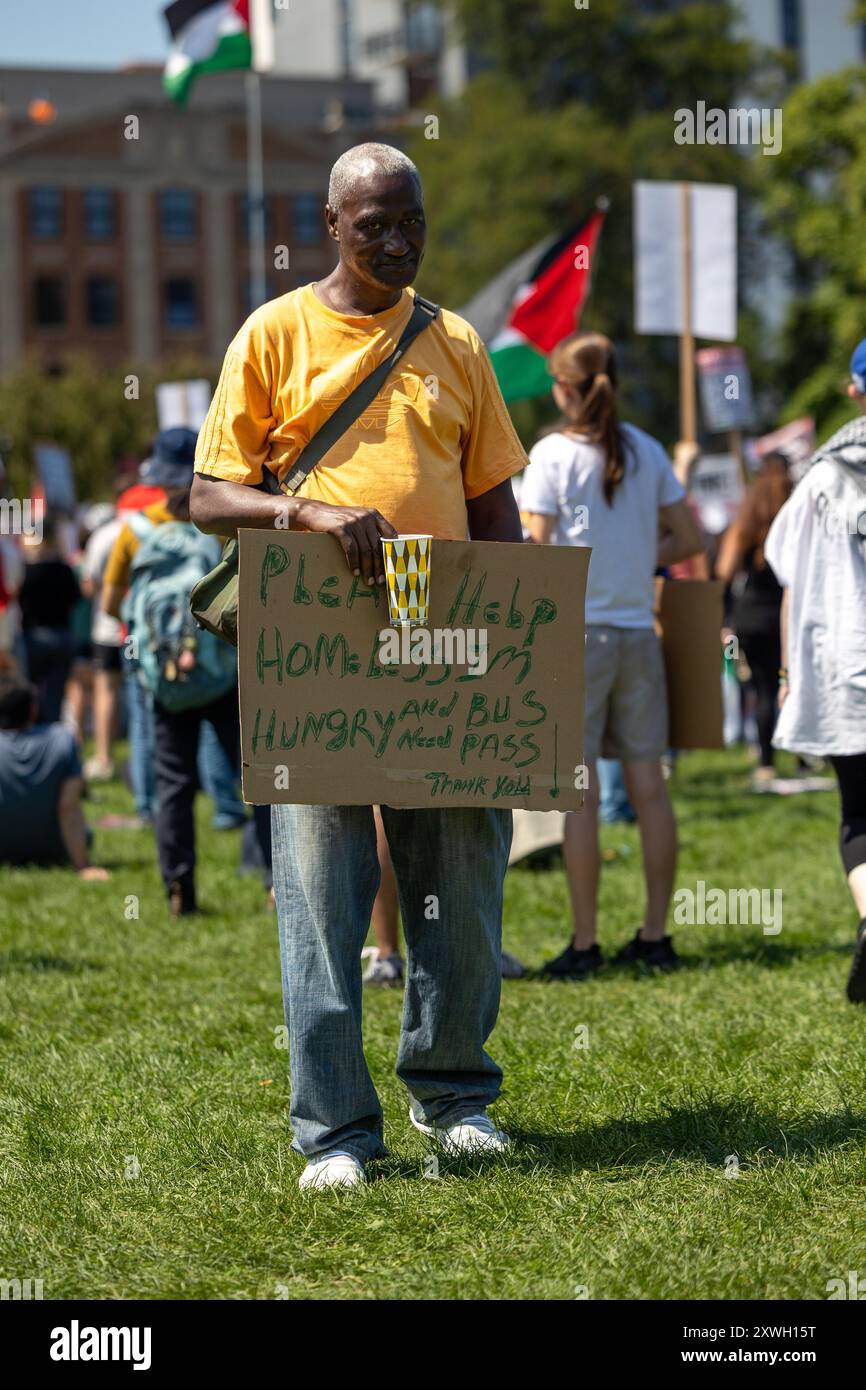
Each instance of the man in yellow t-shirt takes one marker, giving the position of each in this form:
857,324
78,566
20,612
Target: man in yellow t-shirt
435,453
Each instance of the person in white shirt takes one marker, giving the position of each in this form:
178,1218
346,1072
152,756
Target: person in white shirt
817,550
594,482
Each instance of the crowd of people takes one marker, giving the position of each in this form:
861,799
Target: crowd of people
99,634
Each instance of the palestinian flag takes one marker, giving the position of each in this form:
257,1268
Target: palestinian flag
532,304
206,36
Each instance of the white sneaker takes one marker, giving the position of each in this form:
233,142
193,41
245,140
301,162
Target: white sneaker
332,1170
382,970
97,771
472,1134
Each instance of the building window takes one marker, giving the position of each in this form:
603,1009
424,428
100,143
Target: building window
181,303
99,214
49,301
791,24
249,301
102,301
46,213
177,214
424,30
246,219
307,219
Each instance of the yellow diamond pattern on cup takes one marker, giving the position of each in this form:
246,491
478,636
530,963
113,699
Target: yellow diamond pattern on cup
407,568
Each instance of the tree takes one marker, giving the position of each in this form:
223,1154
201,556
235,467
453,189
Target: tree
815,201
571,105
89,409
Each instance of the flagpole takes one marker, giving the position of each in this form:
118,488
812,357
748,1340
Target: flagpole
256,191
688,401
602,205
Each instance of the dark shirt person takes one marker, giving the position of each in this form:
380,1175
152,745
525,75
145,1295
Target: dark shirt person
41,820
48,597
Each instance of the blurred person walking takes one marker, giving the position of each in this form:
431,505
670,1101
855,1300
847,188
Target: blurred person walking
169,662
41,817
11,575
817,549
106,637
756,597
49,594
596,482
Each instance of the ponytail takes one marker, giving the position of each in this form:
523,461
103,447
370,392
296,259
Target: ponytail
587,363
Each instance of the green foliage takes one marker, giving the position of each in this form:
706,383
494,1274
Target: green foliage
144,1135
815,199
84,408
577,105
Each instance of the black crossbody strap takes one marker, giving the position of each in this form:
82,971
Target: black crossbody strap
356,403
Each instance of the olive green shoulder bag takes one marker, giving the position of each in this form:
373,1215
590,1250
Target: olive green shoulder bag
213,600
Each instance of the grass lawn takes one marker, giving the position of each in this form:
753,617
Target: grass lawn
144,1145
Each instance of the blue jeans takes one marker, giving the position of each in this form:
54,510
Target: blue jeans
219,776
139,715
615,805
450,866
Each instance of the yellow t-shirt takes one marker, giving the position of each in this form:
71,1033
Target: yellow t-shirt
437,433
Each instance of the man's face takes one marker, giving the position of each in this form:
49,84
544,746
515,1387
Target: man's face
381,231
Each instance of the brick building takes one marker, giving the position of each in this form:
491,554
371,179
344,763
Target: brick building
123,218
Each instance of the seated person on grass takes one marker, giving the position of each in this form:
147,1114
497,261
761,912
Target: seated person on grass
41,820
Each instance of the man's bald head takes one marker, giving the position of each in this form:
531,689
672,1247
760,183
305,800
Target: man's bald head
364,162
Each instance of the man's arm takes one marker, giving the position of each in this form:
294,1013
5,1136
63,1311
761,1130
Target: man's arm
220,508
494,516
74,831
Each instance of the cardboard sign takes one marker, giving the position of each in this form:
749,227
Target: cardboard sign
716,486
482,707
689,620
658,259
795,440
726,389
54,464
182,403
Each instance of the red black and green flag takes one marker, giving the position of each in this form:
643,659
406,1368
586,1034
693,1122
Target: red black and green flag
532,305
206,36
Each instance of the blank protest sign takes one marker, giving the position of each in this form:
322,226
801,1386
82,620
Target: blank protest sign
324,723
658,259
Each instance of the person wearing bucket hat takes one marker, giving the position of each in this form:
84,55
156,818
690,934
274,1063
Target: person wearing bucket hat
172,463
166,741
453,478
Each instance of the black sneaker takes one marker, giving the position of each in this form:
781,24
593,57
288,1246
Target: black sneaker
574,965
856,990
656,955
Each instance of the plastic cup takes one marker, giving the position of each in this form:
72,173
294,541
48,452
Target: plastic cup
407,576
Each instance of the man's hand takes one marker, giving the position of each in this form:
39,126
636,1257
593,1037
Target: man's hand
359,531
93,873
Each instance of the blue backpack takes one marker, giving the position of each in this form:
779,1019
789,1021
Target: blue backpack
182,666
